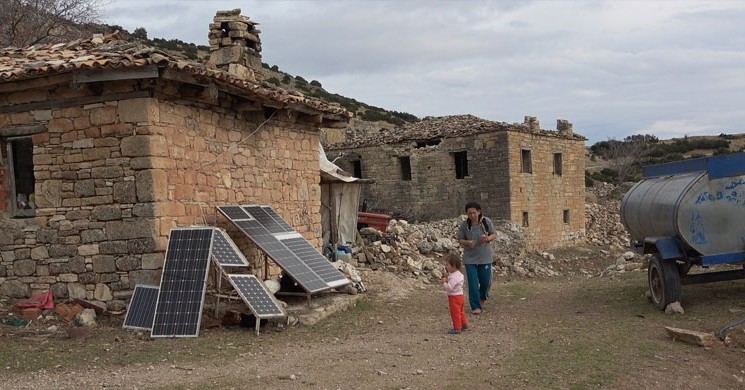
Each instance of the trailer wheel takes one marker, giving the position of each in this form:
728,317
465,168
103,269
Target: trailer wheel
664,282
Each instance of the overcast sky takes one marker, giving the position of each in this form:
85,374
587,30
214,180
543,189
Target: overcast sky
612,68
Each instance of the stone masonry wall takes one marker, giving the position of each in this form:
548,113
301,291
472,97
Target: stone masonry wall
433,192
545,195
494,180
112,179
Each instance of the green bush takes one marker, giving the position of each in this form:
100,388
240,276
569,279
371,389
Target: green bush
588,180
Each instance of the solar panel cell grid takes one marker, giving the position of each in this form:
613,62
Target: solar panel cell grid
295,255
256,296
225,252
141,308
183,282
233,212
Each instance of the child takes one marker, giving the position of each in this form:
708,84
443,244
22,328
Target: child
453,284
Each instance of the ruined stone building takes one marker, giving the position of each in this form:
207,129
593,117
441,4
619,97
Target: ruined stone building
108,144
429,170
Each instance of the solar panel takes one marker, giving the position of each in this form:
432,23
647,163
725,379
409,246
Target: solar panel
312,275
141,308
288,261
297,244
257,297
178,310
224,251
315,260
269,219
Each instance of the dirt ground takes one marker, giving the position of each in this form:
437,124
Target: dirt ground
567,332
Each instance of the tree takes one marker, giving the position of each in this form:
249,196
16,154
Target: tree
29,22
140,33
626,154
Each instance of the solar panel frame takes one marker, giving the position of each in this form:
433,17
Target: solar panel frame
225,252
256,296
268,218
141,309
307,267
297,244
316,261
183,284
288,261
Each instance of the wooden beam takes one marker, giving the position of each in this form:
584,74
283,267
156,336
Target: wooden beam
140,72
170,74
17,131
78,101
334,124
38,82
315,119
246,106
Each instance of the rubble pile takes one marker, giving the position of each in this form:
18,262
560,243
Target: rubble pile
603,225
415,249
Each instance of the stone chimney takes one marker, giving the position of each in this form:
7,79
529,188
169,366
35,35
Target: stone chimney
564,126
532,123
235,45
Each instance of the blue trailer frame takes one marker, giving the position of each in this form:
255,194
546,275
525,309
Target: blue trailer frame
673,255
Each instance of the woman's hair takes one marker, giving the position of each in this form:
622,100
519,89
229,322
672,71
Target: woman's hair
453,260
473,205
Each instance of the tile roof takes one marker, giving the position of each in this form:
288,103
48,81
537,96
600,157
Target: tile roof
110,52
430,128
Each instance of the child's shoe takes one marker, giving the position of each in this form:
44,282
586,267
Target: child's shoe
453,331
465,328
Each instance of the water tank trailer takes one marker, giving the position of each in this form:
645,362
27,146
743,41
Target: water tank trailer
688,213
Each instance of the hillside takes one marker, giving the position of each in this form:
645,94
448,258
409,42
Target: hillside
607,160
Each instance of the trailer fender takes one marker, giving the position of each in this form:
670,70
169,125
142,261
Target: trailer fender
667,247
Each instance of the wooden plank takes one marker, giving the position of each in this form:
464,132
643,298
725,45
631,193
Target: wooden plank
38,82
79,101
170,74
17,131
139,72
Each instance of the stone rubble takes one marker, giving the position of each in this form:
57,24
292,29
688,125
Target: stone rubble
415,250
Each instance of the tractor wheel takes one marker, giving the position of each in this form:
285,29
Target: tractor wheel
664,282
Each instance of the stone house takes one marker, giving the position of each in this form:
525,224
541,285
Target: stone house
429,170
108,144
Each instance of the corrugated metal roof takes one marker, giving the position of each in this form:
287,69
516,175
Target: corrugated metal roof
110,52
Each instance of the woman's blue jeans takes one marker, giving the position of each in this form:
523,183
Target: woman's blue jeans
479,283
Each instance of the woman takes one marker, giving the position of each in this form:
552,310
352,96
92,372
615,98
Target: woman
474,235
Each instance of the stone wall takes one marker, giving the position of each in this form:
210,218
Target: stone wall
113,178
494,180
545,195
434,192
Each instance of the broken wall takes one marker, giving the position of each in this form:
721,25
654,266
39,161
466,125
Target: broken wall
554,203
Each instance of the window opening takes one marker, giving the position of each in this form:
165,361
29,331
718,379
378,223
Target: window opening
405,163
357,168
525,219
22,182
461,164
527,164
557,164
430,142
566,216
